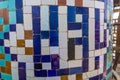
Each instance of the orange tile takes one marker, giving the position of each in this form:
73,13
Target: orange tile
1,28
28,51
29,34
78,76
78,2
3,69
61,2
8,64
20,43
8,70
2,56
64,77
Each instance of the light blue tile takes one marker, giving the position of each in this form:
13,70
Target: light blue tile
4,4
12,17
12,2
2,63
6,28
1,20
1,35
1,50
6,76
7,57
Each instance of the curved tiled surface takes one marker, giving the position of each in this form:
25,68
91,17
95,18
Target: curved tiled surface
55,39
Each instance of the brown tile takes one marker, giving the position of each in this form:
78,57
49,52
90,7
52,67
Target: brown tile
28,51
64,77
3,69
6,17
28,34
8,64
1,13
78,76
20,43
61,2
8,70
78,2
1,28
2,56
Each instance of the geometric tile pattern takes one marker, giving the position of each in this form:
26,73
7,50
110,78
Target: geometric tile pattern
55,39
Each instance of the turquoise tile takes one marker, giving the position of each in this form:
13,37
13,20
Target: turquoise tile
2,63
1,20
6,76
1,35
2,49
12,2
7,57
4,4
12,18
6,28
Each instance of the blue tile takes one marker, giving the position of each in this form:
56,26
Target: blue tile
22,74
14,57
85,29
85,18
78,41
37,58
37,44
55,61
1,42
71,13
36,11
46,58
54,38
85,65
52,73
36,25
85,48
41,73
19,16
97,58
74,26
44,34
76,70
53,9
53,21
7,50
22,65
6,35
97,14
82,10
97,46
94,78
13,27
61,72
19,4
97,25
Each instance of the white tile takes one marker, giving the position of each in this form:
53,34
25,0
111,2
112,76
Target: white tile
63,39
63,64
97,52
53,78
75,63
49,2
101,33
6,43
99,4
20,31
15,74
101,62
36,78
28,43
14,64
84,76
30,73
32,2
54,50
20,50
45,50
13,50
44,42
62,22
104,50
64,54
91,13
72,77
74,33
101,18
13,39
91,53
91,64
78,52
30,66
62,9
46,66
100,71
25,58
91,34
27,9
70,2
28,21
78,18
88,3
44,18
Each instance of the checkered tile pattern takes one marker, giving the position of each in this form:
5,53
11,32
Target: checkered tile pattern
55,39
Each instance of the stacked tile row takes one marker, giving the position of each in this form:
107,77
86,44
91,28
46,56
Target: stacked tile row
55,39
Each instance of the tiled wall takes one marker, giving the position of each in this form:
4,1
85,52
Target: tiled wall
55,39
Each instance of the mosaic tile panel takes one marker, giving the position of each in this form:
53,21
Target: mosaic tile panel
55,39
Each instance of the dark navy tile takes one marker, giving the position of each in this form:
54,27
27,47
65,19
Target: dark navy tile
7,50
85,18
53,9
85,65
82,10
97,14
13,27
54,38
19,16
54,21
22,74
22,65
52,73
55,61
46,58
14,57
97,58
36,11
38,66
85,29
74,26
94,78
37,58
37,44
97,25
85,48
76,70
78,41
6,35
36,25
71,13
61,72
41,73
1,42
19,4
45,35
